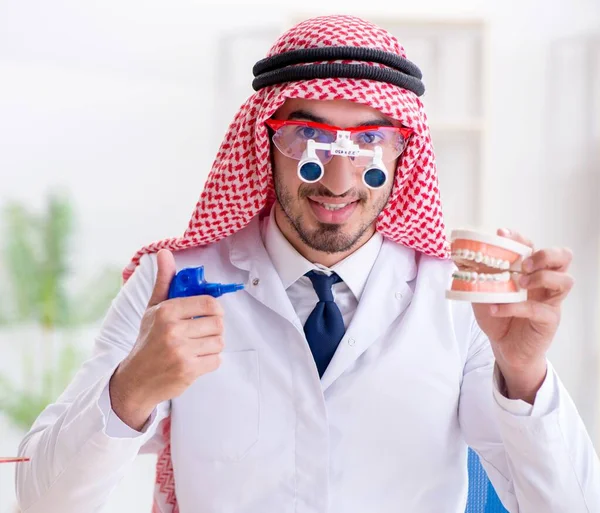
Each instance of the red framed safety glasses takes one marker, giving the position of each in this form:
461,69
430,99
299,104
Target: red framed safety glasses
315,144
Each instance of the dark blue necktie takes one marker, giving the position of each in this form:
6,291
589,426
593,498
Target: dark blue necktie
324,327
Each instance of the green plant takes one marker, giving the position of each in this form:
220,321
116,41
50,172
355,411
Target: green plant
35,252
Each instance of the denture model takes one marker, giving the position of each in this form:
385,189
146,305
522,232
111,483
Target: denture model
489,267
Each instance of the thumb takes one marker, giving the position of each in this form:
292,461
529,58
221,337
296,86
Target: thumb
166,270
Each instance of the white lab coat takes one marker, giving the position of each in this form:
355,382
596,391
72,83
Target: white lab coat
385,430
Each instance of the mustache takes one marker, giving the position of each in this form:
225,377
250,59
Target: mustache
307,190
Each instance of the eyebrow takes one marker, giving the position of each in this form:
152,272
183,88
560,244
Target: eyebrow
308,116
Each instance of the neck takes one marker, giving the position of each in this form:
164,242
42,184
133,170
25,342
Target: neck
313,255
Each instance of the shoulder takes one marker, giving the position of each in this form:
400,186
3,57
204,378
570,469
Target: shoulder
146,270
434,277
434,274
437,268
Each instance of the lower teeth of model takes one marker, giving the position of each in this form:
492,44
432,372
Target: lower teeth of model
482,277
333,207
480,258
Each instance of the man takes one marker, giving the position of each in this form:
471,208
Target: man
340,379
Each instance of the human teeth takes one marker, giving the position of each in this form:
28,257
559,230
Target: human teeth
478,257
332,206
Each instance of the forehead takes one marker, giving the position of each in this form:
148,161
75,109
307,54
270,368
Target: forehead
343,113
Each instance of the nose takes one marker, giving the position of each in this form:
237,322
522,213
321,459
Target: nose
340,175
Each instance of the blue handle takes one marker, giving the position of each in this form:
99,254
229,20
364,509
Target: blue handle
191,282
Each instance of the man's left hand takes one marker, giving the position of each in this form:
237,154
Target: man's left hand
521,333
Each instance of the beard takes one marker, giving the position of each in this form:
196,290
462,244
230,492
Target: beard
327,238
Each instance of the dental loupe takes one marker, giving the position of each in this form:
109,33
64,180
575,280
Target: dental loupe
311,169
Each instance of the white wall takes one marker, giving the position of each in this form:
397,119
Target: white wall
554,190
118,102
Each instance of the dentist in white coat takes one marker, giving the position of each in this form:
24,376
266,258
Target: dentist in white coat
340,380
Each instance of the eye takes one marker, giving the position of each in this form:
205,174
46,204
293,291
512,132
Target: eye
371,137
308,132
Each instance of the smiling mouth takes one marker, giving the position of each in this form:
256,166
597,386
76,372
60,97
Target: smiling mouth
332,213
333,206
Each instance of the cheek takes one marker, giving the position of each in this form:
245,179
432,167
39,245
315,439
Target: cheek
285,172
387,189
392,168
380,197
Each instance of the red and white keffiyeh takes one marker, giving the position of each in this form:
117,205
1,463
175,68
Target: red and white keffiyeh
240,184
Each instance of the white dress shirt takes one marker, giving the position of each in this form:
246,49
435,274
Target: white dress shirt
385,429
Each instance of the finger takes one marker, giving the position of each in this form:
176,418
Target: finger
208,345
207,363
514,235
206,326
196,348
165,262
557,284
558,259
532,310
194,306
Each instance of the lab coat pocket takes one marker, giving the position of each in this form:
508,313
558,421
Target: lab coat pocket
225,408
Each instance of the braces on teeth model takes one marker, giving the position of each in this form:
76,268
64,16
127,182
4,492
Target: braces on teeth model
488,268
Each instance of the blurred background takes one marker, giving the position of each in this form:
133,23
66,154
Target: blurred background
111,113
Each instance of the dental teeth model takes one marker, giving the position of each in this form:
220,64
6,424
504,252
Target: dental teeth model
488,268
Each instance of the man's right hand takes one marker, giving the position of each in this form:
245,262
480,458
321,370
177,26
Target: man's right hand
172,350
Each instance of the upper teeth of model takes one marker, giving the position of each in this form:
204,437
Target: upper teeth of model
480,258
473,276
333,206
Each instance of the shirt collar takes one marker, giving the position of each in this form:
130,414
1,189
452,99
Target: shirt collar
291,265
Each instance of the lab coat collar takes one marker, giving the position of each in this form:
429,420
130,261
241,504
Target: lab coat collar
247,252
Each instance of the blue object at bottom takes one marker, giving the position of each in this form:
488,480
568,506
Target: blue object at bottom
482,497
